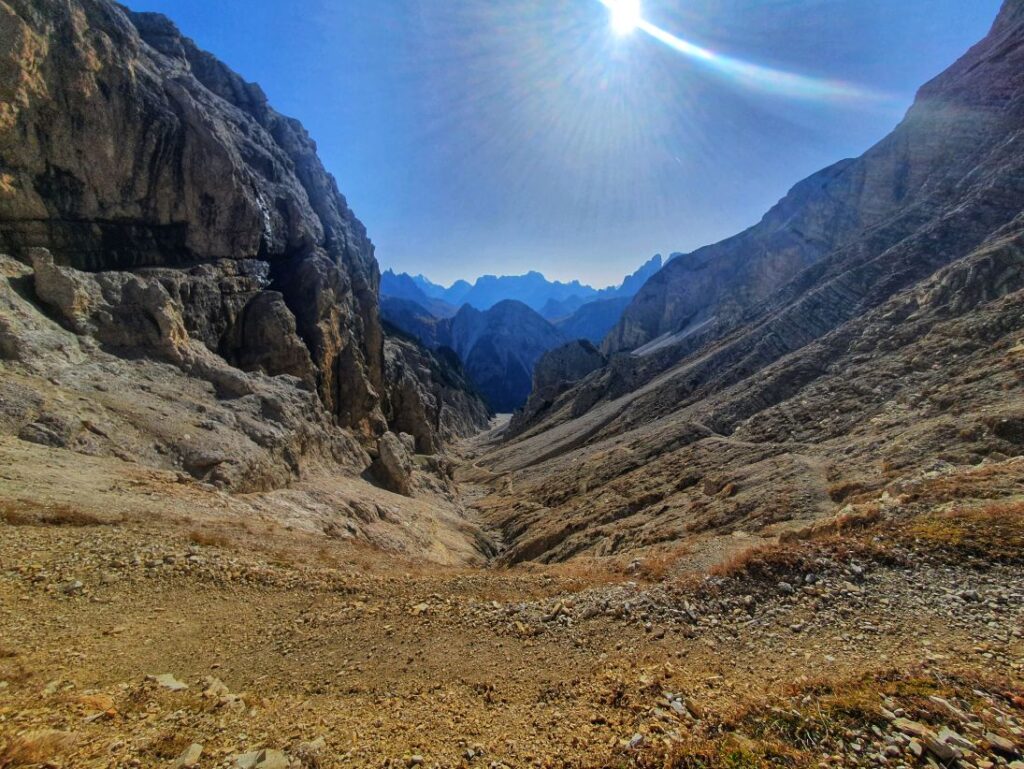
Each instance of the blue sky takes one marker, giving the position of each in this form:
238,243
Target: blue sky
500,136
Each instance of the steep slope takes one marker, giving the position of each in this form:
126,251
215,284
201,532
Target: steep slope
417,321
182,284
895,355
499,348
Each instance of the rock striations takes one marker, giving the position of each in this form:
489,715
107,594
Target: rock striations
156,207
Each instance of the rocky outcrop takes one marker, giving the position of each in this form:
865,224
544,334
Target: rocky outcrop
430,396
394,465
556,372
126,148
163,213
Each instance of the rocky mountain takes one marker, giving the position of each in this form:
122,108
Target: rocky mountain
175,242
554,300
949,149
593,320
406,288
865,334
499,348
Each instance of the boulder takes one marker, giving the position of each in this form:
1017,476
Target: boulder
394,467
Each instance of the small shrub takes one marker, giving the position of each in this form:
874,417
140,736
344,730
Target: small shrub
35,749
208,538
22,514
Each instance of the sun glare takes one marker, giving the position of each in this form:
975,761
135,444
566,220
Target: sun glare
625,16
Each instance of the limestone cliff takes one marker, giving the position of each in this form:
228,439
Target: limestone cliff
165,211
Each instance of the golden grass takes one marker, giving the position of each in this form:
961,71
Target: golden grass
207,538
17,513
994,531
34,749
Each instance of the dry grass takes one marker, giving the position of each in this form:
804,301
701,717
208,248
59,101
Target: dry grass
661,565
16,513
37,748
994,532
752,559
208,538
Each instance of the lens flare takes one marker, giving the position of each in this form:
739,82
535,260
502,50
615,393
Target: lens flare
626,17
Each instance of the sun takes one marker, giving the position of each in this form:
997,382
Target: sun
625,15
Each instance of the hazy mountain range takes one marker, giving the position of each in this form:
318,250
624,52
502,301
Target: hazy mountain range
500,326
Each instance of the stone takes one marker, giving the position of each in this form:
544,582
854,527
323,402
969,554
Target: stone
1001,745
262,759
168,681
394,466
74,587
189,757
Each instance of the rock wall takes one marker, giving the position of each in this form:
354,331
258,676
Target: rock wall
126,148
164,211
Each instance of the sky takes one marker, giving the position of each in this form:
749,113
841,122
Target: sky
501,136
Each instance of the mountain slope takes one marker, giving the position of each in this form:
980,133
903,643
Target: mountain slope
593,320
897,349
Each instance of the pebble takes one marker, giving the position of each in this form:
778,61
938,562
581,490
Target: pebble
189,757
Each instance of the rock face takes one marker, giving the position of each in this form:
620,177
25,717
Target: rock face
556,372
126,148
430,397
165,212
866,334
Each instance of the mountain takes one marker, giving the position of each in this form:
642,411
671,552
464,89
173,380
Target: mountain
183,286
532,289
863,338
633,283
593,320
499,348
552,299
403,286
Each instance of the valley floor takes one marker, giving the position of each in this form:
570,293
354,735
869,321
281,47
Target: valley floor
126,640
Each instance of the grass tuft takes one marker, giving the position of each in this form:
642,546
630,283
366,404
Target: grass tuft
37,748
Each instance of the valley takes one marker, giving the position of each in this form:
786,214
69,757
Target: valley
264,507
